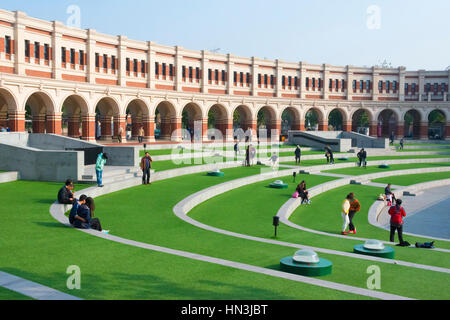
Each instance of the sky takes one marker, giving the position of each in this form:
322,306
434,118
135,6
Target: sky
410,33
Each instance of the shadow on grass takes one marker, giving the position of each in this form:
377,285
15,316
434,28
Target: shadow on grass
50,224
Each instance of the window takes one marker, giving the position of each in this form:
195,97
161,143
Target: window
82,58
209,75
331,84
290,81
307,82
313,82
105,61
63,55
388,85
241,77
72,56
135,65
354,84
406,87
171,70
164,69
223,76
235,77
259,78
216,75
296,82
361,84
37,50
128,66
248,78
343,84
266,80
336,84
157,68
443,87
380,85
8,44
413,87
197,73
435,87
191,73
97,61
183,71
319,83
46,52
143,65
427,87
113,62
394,85
368,84
27,48
272,80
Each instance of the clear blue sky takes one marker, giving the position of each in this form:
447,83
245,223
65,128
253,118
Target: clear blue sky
412,33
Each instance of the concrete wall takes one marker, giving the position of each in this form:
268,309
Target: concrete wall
122,156
57,142
42,165
363,141
320,139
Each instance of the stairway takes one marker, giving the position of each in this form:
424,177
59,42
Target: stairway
111,174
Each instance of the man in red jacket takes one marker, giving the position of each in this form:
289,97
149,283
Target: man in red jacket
397,213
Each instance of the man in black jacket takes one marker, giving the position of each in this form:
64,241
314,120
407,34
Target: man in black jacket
65,194
362,155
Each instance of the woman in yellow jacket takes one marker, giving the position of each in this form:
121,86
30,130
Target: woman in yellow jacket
344,212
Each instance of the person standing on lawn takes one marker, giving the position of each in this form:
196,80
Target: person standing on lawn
402,144
397,213
298,153
362,155
146,165
355,207
99,165
344,213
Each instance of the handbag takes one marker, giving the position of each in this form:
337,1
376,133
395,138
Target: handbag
295,195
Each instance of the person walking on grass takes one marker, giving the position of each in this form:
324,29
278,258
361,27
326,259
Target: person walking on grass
402,144
146,165
329,155
344,212
298,153
99,165
355,207
397,213
65,194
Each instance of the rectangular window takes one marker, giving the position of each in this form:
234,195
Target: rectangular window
128,67
331,84
248,78
113,62
296,82
216,75
368,84
170,70
380,85
313,82
97,60
37,53
388,85
191,73
143,67
435,87
209,75
259,78
183,71
354,84
413,87
63,55
361,84
290,81
343,84
394,85
46,52
82,58
156,68
272,80
427,87
241,77
319,83
27,48
8,44
135,65
197,73
72,56
235,77
164,69
223,76
105,61
443,87
266,80
336,84
307,82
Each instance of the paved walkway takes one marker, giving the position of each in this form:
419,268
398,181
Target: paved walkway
32,289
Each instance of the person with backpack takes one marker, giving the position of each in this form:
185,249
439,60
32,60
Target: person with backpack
298,153
397,213
355,207
99,165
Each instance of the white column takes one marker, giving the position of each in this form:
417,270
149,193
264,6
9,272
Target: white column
122,57
151,57
90,48
56,49
401,84
278,74
178,66
254,76
326,80
375,79
230,74
421,84
302,78
349,84
19,43
204,66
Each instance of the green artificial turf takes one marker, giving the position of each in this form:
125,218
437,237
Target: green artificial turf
6,294
357,171
38,248
412,179
422,150
158,225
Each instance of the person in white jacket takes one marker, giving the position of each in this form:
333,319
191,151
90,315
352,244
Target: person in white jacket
344,213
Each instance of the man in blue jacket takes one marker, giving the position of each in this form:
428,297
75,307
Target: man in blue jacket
73,212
